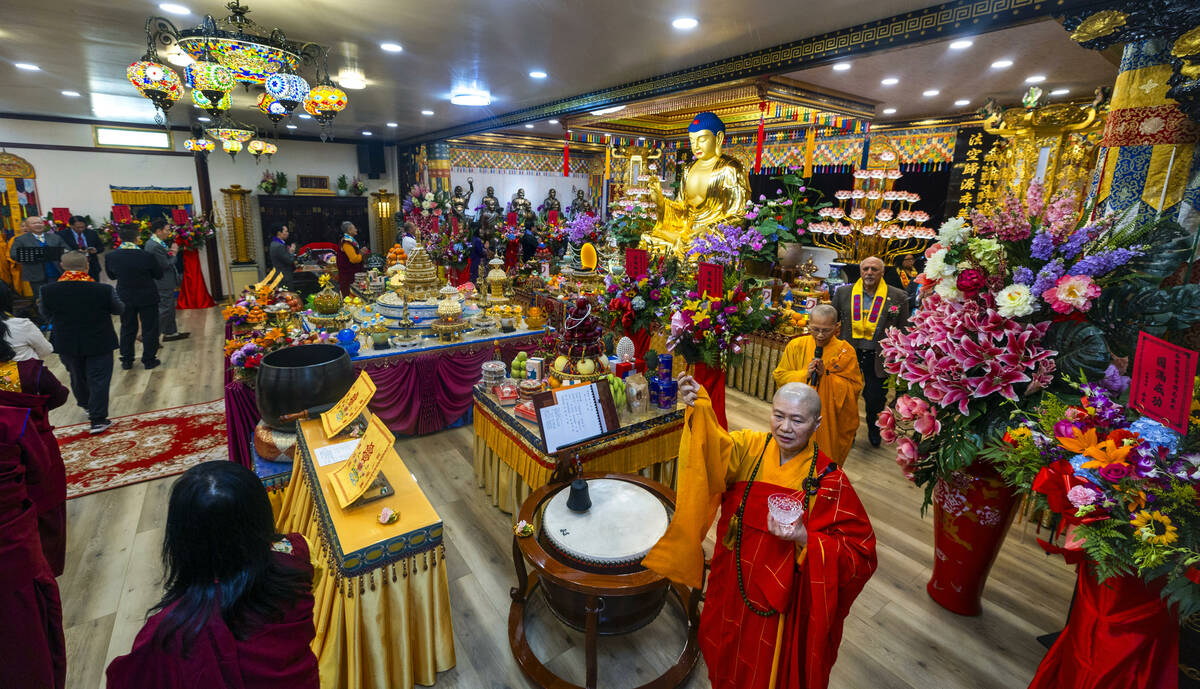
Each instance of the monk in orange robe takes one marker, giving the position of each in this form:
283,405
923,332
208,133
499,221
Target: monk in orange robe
835,375
778,593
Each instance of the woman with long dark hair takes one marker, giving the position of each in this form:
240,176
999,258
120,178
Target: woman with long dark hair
237,610
30,385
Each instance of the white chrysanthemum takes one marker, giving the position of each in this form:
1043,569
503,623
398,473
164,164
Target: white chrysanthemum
936,267
946,289
1015,301
952,231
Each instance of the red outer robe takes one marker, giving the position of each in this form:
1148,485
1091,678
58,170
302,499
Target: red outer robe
814,596
41,392
32,651
276,656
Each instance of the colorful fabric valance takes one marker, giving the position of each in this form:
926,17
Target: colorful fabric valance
922,150
525,162
152,196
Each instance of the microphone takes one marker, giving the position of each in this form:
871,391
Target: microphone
818,352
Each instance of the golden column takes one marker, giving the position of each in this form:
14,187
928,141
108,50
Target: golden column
383,205
237,220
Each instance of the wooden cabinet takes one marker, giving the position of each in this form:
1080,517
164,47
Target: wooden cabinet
314,218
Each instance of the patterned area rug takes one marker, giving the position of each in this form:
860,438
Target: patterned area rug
142,447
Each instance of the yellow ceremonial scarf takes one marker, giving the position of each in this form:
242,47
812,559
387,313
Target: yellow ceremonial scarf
864,315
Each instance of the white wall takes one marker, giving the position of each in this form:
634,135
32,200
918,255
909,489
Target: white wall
79,180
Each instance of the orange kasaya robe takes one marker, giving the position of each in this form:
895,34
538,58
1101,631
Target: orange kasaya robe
812,587
10,271
838,389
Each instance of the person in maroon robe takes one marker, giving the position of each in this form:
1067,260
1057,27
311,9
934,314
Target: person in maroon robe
32,651
31,385
238,608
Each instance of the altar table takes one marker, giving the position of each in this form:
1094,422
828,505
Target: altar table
511,462
418,390
382,601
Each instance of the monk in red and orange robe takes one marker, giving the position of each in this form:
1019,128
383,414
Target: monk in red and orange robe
779,624
829,365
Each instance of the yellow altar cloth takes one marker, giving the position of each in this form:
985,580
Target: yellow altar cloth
382,601
510,462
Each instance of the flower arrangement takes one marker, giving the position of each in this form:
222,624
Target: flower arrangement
359,187
952,366
110,233
784,218
629,222
194,234
637,302
1124,486
448,247
267,184
712,330
584,228
728,244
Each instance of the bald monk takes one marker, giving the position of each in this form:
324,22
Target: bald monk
778,593
831,366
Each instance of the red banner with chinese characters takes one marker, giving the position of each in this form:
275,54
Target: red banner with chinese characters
512,218
552,217
711,280
1162,383
637,263
61,215
179,216
121,213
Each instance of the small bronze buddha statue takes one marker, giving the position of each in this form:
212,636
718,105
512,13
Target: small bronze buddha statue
460,203
489,215
580,205
551,204
522,205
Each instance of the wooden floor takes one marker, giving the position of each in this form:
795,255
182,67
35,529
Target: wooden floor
895,636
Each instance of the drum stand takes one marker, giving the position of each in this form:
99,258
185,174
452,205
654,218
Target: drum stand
639,595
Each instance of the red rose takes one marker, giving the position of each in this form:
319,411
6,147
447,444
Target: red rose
970,281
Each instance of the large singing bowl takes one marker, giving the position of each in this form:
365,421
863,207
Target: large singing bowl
293,379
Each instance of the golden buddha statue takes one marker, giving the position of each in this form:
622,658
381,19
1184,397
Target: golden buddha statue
713,189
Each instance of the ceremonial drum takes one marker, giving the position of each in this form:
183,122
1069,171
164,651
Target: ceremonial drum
624,522
588,565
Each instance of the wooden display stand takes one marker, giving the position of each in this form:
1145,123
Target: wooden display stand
598,603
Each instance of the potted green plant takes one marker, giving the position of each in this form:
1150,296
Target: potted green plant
794,210
281,183
342,186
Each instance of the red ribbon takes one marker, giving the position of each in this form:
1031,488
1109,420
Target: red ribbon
566,154
758,142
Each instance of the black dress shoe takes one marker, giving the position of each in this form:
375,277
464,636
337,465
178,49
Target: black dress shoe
126,365
176,336
151,364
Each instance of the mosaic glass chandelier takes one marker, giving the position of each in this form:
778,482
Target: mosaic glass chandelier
199,146
232,148
227,129
259,149
230,51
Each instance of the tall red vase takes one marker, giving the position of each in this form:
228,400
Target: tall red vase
1120,634
713,380
193,292
972,513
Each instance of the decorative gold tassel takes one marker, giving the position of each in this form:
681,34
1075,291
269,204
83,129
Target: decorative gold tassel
371,579
393,572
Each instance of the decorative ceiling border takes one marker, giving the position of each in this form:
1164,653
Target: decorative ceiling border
949,19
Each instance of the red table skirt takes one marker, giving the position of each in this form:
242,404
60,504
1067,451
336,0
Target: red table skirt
414,395
193,292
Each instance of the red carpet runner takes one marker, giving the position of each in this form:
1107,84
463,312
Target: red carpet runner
142,447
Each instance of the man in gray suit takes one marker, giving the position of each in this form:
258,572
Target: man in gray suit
867,309
282,256
164,255
40,272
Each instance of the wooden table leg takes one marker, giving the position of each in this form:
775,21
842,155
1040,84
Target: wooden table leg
594,605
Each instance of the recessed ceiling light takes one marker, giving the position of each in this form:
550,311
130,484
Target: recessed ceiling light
961,102
392,124
889,111
529,126
350,78
1060,92
471,97
291,126
71,94
204,119
427,113
537,74
930,93
304,116
962,44
391,47
366,133
551,121
841,67
685,23
26,65
1035,79
1002,64
173,8
890,81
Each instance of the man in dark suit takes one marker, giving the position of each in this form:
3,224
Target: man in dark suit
282,256
80,311
137,275
867,309
37,273
164,252
80,237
